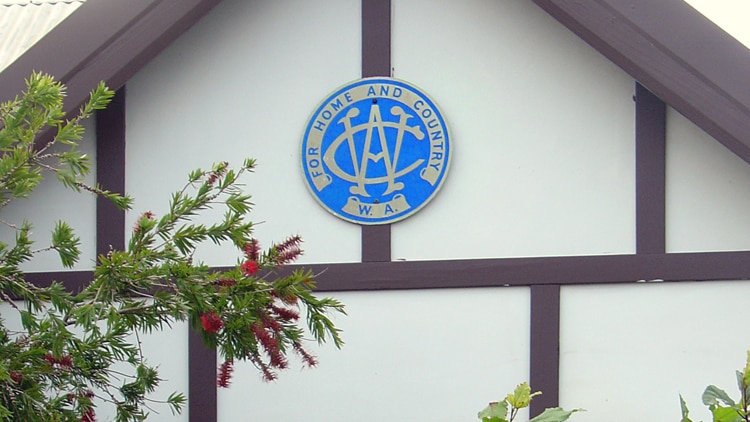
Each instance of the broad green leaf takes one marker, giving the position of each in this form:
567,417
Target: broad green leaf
726,414
495,409
521,396
714,395
554,414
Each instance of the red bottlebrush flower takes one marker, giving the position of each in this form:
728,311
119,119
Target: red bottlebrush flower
16,376
148,214
285,314
50,358
252,249
212,178
289,255
289,243
225,373
226,282
309,359
211,322
65,361
88,415
264,337
278,361
271,323
271,346
268,374
249,267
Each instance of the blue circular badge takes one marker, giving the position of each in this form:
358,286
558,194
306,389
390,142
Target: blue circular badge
375,151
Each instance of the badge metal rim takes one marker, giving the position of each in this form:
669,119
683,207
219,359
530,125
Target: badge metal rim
336,92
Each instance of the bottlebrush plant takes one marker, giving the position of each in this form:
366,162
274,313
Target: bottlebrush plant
77,350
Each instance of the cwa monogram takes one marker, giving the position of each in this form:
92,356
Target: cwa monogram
375,151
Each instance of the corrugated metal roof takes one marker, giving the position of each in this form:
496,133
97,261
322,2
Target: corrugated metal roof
24,22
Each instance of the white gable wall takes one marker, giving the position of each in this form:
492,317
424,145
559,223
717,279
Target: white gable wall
543,134
708,191
241,84
543,130
544,165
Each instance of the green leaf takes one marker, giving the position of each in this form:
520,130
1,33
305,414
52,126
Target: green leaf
554,414
714,396
726,414
521,396
4,412
28,320
66,243
176,402
494,412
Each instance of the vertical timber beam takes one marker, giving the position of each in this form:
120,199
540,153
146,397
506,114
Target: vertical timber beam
202,394
110,173
376,61
650,173
545,346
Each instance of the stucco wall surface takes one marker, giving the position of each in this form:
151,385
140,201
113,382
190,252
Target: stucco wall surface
628,351
708,191
438,355
543,134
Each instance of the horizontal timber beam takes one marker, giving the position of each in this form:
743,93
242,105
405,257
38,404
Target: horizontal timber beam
503,272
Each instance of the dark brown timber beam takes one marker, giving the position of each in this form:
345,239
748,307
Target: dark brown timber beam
376,61
650,171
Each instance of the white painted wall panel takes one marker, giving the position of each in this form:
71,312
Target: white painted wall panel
628,351
437,355
241,83
543,133
168,352
708,191
52,202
